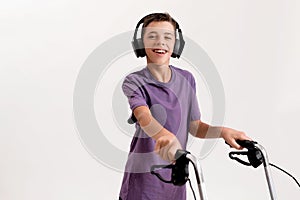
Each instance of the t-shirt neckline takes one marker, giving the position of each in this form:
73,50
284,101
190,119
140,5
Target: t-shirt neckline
149,75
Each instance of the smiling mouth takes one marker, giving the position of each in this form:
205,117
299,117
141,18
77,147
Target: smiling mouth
160,51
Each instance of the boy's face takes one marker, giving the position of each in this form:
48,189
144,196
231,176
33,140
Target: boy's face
159,40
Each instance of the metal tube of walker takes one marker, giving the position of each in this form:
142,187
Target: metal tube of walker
267,171
199,176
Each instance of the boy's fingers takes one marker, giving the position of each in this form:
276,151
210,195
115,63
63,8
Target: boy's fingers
157,147
166,148
162,148
164,152
161,143
234,144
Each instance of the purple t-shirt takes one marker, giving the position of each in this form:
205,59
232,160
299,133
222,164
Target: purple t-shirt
174,105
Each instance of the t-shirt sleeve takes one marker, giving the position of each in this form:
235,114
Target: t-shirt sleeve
133,91
194,107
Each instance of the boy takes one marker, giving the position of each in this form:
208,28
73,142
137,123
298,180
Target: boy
165,108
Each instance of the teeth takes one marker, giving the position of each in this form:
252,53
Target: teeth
159,51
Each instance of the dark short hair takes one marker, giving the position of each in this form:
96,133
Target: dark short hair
158,17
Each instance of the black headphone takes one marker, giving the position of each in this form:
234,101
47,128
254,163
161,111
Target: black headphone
138,45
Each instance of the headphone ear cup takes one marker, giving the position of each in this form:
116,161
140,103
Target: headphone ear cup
138,47
177,49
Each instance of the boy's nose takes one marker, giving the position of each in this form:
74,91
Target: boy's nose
160,41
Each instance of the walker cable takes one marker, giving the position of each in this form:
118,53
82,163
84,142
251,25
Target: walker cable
255,153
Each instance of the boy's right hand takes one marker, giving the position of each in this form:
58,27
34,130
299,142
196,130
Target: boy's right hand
166,146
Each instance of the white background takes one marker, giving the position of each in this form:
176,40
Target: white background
254,44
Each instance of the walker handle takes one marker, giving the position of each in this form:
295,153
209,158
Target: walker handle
254,154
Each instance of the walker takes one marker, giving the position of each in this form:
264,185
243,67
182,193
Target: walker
256,154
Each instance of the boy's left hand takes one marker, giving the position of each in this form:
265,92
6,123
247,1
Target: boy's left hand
231,135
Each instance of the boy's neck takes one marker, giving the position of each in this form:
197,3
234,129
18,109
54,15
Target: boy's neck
161,73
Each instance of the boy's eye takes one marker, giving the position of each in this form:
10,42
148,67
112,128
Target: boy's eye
151,36
168,38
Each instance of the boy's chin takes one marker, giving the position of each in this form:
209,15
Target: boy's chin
157,63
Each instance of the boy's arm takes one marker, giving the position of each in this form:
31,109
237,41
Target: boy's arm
166,142
202,130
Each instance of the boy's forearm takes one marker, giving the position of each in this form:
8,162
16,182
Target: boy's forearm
149,124
166,143
203,130
206,131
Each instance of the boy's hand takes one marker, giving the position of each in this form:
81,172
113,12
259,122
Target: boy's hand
231,135
166,146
